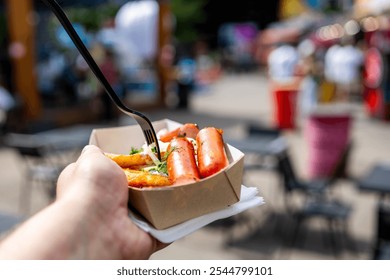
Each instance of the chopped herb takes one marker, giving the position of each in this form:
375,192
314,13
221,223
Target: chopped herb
135,151
159,168
166,155
163,167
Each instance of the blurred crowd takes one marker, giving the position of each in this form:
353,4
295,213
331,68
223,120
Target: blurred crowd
341,62
325,60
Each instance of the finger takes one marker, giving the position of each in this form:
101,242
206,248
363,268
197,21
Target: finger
90,149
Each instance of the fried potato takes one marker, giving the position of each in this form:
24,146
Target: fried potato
141,179
127,161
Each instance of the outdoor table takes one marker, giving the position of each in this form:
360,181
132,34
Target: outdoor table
377,180
59,142
44,155
258,148
267,145
67,138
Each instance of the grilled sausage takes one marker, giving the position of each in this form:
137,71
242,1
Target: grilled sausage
211,151
186,130
181,162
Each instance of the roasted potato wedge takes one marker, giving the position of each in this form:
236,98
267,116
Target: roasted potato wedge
141,179
128,161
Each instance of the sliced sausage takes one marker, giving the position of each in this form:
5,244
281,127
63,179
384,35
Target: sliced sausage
181,162
211,151
186,130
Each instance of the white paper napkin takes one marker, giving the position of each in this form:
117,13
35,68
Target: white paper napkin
248,200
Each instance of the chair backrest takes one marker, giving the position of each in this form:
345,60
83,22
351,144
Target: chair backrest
263,131
287,171
339,170
291,181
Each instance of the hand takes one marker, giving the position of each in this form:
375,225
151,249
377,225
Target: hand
88,220
100,186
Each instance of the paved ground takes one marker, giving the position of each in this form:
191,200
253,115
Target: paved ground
263,232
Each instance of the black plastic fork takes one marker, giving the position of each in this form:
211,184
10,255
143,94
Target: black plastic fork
142,120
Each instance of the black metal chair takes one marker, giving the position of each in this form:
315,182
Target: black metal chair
381,250
316,199
40,165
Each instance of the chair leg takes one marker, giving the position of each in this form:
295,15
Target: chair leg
375,253
296,232
346,242
333,238
349,243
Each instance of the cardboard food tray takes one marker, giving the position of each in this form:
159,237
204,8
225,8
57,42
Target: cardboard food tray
168,206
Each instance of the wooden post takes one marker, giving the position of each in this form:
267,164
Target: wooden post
22,51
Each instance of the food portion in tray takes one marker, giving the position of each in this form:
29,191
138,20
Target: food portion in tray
188,154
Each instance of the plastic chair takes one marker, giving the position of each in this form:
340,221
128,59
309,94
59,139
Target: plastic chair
317,202
40,164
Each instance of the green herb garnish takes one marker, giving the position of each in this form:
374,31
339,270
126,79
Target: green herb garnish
160,168
134,151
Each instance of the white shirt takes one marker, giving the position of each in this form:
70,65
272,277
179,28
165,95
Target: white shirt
330,61
282,62
351,59
342,64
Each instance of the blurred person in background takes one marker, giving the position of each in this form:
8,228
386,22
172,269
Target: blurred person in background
330,81
208,68
49,68
343,66
353,56
110,69
66,83
185,78
310,71
282,63
8,104
283,68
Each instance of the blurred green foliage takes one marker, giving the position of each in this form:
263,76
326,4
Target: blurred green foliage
188,15
92,19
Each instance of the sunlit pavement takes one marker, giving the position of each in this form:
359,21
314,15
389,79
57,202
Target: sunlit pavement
263,232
